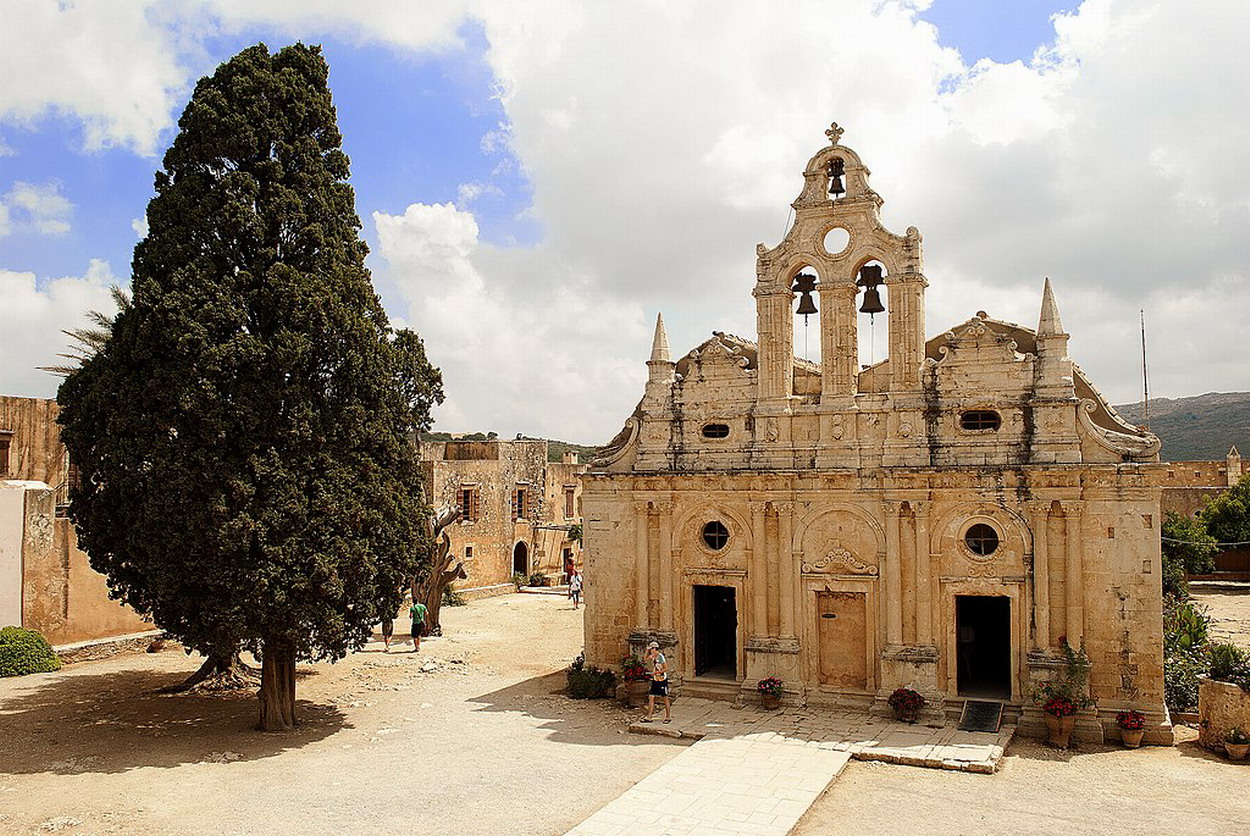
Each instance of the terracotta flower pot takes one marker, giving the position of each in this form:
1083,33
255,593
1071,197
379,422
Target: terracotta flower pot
1237,751
1132,737
771,701
1060,729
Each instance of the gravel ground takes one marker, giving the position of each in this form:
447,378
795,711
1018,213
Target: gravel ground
1229,607
469,736
472,736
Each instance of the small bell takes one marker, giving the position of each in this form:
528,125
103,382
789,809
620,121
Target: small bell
836,173
805,283
869,278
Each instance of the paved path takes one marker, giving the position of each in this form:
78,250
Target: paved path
723,786
757,772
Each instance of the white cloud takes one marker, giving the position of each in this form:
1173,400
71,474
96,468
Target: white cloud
39,206
140,226
33,317
662,141
510,329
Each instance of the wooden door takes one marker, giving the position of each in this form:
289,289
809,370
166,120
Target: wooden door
842,625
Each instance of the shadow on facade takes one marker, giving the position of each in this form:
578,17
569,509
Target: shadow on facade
114,722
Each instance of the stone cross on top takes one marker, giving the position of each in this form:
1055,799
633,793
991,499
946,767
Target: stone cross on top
834,133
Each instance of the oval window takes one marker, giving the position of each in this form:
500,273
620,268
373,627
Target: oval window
980,419
716,431
981,539
715,535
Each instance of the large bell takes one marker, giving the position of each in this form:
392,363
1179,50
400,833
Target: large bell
805,283
869,278
872,302
836,172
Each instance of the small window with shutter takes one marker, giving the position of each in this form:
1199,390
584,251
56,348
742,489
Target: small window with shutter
469,503
569,503
520,503
6,438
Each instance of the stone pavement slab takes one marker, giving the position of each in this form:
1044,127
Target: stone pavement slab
864,736
723,785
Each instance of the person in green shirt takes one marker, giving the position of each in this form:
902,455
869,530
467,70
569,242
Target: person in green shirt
417,611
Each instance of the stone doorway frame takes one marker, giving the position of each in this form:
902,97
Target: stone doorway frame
809,662
710,576
1011,588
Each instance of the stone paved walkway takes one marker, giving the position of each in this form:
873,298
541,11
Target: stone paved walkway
723,786
757,772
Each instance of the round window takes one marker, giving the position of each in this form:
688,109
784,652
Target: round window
981,539
715,535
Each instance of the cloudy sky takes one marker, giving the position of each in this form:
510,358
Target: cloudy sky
536,181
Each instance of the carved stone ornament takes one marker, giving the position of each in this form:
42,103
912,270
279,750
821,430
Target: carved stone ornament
771,431
834,133
838,430
841,560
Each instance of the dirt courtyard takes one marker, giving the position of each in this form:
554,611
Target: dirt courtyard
472,736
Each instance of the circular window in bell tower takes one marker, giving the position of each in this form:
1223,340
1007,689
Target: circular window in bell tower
715,535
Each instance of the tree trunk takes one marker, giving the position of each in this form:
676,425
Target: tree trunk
432,596
441,571
220,672
277,686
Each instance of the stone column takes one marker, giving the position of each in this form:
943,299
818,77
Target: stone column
839,340
757,563
665,510
893,578
776,331
907,338
790,595
1075,585
642,592
766,520
1041,576
924,592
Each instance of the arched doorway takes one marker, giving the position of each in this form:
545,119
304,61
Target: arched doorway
521,560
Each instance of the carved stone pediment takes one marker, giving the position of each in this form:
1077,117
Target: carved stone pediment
840,561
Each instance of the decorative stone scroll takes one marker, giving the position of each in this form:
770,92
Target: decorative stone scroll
839,559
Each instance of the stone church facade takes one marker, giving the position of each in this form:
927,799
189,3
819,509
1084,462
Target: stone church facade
943,519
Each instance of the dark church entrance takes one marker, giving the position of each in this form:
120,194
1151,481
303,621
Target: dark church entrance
983,651
521,561
715,632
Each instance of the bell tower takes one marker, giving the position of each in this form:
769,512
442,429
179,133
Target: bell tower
837,232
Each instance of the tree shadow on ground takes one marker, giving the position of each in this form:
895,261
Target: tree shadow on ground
1194,749
114,722
600,722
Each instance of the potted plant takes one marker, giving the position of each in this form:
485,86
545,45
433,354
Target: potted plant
1236,743
906,704
770,689
1132,725
1064,695
636,682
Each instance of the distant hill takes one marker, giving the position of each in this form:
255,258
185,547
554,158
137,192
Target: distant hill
1201,428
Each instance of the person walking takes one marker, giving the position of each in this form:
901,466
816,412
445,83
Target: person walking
388,630
575,588
659,682
417,611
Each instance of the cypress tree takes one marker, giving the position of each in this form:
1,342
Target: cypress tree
245,437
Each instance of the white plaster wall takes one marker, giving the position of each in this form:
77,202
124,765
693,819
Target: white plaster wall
12,516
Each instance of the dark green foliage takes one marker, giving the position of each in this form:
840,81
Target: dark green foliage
538,579
452,598
1186,627
244,436
574,533
1230,663
589,683
25,651
1187,548
1227,517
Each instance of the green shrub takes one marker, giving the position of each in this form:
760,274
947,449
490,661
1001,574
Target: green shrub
589,683
1229,663
1186,541
518,580
1186,629
538,579
452,598
1174,581
25,651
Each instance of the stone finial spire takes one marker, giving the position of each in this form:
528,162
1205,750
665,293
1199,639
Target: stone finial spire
659,346
1048,325
1232,466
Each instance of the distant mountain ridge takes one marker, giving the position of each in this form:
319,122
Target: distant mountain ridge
1201,428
